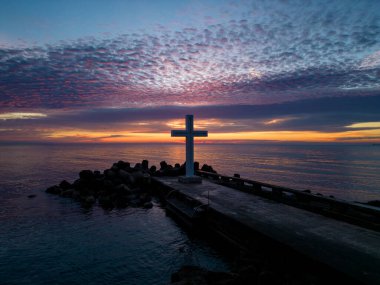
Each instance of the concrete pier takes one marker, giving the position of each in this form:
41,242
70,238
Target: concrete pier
349,249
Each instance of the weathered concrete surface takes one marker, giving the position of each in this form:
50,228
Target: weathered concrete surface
350,249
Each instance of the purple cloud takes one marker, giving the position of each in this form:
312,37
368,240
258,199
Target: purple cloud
272,54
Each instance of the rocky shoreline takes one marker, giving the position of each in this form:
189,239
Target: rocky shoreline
120,185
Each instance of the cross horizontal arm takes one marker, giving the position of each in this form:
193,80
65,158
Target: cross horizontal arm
200,133
179,133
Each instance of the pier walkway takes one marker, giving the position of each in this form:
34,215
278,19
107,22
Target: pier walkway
348,248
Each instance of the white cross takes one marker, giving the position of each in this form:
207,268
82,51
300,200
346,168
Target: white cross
189,133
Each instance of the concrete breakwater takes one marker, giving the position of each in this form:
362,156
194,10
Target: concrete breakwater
291,239
276,243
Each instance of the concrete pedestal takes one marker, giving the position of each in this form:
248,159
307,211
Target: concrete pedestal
190,179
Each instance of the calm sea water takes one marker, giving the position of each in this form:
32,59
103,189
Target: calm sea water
50,240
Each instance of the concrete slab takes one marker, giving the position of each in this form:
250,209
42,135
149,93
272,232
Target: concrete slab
345,247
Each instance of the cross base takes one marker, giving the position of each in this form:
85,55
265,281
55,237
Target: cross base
190,179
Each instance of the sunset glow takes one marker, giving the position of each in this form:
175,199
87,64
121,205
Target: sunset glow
247,70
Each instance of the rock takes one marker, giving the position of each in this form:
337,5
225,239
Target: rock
148,205
120,201
54,190
115,168
177,165
163,165
32,196
123,165
67,193
135,202
126,177
237,175
65,185
145,197
86,175
88,201
208,168
122,189
152,169
138,176
137,166
75,195
145,164
107,185
109,173
196,165
105,201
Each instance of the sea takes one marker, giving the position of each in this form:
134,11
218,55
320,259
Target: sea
52,240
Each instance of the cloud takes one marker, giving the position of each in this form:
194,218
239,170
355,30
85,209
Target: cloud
319,114
21,116
275,51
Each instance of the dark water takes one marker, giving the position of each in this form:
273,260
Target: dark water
50,240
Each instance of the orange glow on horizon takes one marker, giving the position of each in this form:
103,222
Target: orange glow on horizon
164,137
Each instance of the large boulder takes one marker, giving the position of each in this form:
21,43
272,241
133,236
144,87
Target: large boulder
145,164
126,177
54,190
86,175
65,185
163,165
109,173
123,165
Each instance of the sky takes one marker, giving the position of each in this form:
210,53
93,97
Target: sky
129,71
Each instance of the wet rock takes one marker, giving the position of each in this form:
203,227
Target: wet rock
88,201
86,175
115,168
152,169
145,164
54,190
208,168
148,205
75,195
120,201
126,177
122,189
65,185
105,201
163,165
109,173
123,165
67,193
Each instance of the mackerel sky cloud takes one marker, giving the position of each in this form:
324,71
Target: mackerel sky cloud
214,54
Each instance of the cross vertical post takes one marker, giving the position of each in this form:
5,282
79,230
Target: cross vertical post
189,133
